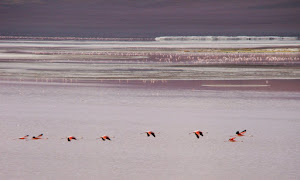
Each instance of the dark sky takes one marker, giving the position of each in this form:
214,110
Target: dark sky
148,18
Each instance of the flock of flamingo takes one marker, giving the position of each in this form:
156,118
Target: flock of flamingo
148,133
176,56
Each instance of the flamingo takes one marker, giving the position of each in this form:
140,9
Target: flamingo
37,137
24,137
104,138
150,133
240,133
232,139
198,133
71,137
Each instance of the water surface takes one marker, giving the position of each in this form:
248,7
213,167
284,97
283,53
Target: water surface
125,112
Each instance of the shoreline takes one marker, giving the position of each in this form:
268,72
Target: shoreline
92,62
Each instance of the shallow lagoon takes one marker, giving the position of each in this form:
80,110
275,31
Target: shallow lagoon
125,112
47,87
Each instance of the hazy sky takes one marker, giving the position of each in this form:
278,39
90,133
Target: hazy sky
148,17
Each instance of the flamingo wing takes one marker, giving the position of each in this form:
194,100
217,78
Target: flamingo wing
148,134
153,134
243,132
201,133
107,138
197,135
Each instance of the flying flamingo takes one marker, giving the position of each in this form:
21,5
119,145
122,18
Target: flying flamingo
24,137
197,133
150,133
105,138
240,133
38,137
232,139
71,137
